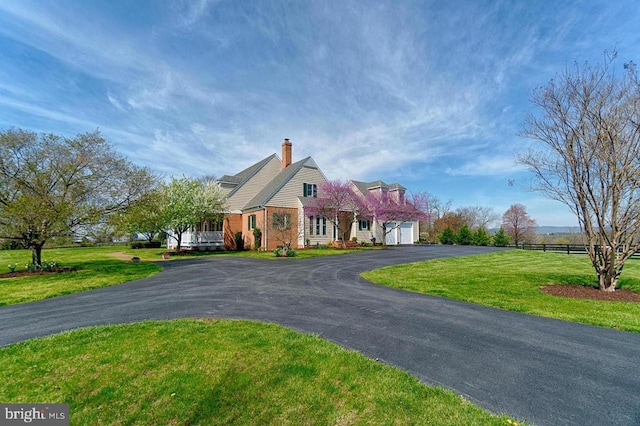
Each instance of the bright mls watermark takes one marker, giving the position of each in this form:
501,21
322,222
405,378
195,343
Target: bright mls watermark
35,414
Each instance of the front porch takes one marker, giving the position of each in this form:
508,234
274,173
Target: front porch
200,241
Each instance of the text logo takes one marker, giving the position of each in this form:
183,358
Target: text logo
34,414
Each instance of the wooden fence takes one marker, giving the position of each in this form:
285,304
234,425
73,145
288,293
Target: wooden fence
565,248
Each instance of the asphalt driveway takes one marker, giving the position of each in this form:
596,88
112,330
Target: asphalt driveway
544,371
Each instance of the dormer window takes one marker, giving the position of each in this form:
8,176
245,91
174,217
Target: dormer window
310,190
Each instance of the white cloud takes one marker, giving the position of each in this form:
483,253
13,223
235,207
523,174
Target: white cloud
115,102
369,90
484,165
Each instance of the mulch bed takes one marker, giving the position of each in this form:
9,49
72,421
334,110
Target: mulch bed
25,273
592,293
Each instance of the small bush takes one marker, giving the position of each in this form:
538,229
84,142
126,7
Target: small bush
465,236
145,244
501,239
481,237
257,238
447,236
238,239
11,245
47,266
285,252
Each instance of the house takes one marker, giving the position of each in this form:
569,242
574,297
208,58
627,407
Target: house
273,199
394,229
271,195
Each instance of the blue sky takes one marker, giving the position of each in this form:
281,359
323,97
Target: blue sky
429,94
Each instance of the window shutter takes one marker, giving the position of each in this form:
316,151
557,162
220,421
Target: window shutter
304,189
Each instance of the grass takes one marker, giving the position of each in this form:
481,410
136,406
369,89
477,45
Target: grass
203,372
156,254
96,269
511,280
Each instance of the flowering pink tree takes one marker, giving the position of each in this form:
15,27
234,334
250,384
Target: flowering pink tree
338,204
390,211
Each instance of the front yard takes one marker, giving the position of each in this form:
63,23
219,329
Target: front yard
206,372
513,279
103,266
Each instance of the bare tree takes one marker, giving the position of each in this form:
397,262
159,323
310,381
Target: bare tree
451,220
478,216
518,225
283,227
436,210
589,128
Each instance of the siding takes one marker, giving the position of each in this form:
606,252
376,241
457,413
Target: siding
315,239
362,236
254,185
289,193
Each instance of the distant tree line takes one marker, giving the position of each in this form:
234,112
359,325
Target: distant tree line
470,225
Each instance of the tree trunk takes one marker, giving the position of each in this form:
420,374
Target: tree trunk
36,256
607,281
604,259
178,241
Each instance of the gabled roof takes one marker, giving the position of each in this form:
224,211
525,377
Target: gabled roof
240,178
365,187
267,193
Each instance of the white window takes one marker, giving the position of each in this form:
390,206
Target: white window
321,225
310,190
251,222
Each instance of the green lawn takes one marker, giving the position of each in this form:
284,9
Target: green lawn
193,372
156,254
99,268
511,280
96,269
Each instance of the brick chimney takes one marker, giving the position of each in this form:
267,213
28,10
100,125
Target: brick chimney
286,154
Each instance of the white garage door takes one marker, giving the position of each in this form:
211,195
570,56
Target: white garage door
406,233
390,238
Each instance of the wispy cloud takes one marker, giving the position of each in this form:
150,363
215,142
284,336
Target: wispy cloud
487,166
428,92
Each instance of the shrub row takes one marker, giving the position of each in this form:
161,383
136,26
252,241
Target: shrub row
467,237
146,244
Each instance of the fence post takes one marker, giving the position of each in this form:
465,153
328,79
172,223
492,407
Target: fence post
568,249
544,247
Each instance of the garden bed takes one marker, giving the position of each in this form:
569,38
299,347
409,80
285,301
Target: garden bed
592,293
27,273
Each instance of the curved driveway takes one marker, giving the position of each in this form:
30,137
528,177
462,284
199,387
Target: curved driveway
544,371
